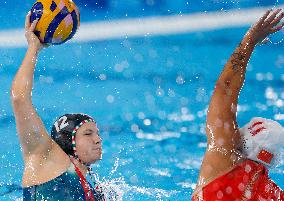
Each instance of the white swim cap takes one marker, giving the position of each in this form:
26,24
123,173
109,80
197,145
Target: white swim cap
262,140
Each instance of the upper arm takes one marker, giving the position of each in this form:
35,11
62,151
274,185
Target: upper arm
221,125
223,137
43,157
32,133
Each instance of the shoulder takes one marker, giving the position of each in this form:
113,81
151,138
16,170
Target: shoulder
41,168
210,173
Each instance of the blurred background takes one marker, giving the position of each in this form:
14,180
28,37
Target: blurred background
12,13
145,69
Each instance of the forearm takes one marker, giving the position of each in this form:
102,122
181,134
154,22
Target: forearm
233,74
23,81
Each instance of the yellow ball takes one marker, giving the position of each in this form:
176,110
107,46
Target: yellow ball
58,20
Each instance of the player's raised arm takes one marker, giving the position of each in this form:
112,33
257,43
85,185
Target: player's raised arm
33,136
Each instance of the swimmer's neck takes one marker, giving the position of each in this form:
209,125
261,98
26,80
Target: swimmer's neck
83,168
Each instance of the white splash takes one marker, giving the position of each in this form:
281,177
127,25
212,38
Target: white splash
116,189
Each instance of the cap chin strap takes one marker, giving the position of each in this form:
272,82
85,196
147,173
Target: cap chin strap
79,160
89,169
265,156
90,172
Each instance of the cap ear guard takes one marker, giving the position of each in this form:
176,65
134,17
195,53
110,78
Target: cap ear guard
265,156
262,140
74,134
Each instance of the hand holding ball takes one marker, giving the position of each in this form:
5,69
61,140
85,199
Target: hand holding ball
58,20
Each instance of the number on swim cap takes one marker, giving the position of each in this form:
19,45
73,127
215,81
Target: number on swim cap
61,123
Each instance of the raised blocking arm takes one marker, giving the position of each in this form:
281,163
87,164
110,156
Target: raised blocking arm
223,137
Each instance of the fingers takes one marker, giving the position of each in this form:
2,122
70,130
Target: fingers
28,25
33,26
265,16
27,22
272,16
277,20
267,25
278,28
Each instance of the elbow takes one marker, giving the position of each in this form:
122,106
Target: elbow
14,95
225,87
17,96
229,84
14,98
223,84
225,80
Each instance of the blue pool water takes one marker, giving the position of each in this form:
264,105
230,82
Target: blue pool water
149,96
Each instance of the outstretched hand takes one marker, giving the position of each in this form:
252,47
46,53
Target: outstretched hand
32,39
268,24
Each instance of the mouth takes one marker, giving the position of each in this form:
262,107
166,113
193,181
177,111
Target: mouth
97,149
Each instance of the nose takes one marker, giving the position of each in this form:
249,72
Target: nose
97,140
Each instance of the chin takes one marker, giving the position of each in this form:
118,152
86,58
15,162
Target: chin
96,160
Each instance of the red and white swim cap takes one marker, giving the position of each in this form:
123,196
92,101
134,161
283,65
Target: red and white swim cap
262,140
